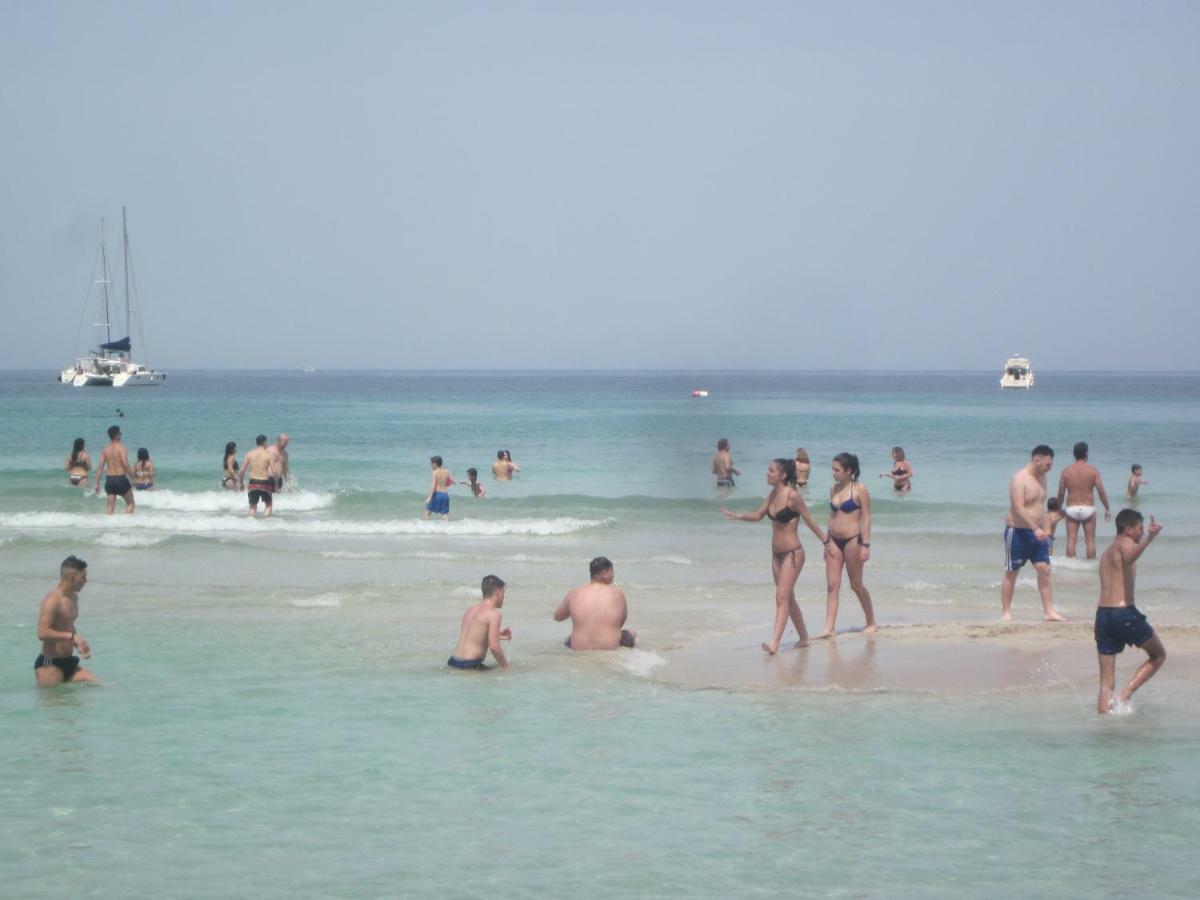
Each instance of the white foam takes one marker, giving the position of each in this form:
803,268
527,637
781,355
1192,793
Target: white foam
323,601
120,539
673,560
230,501
640,662
1075,564
351,554
922,586
244,524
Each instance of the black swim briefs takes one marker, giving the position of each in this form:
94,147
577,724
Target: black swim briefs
116,485
68,665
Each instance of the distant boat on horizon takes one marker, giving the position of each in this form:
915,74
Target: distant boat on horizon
111,364
1018,374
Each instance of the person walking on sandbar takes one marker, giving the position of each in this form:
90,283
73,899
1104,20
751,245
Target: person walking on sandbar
1026,533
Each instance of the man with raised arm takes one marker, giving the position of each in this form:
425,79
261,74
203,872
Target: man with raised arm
1077,486
56,629
1026,533
1118,620
481,630
597,611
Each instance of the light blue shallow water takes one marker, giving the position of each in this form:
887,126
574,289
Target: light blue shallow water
276,721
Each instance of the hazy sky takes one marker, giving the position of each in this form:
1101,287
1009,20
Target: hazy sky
609,184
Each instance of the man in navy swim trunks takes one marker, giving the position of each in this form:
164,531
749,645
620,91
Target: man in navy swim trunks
481,630
1027,533
56,629
1118,621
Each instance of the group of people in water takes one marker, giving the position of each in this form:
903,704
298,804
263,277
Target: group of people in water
267,468
598,610
1029,530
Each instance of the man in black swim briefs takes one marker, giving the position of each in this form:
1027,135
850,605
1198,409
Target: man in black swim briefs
481,631
56,663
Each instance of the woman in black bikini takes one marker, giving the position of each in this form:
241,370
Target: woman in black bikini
77,464
229,468
784,506
849,544
901,473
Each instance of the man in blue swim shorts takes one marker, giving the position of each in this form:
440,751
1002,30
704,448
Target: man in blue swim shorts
481,630
1027,533
438,501
1119,623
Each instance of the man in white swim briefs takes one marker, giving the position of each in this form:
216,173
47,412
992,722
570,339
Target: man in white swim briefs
1078,484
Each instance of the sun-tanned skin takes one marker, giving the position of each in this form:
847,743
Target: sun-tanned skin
857,553
1027,509
114,462
787,554
481,631
1077,486
258,465
56,628
1118,575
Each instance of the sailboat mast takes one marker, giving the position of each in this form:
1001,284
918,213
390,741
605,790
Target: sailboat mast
104,263
125,241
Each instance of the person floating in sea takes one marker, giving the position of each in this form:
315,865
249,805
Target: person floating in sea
438,501
115,461
849,543
481,630
280,472
1135,481
78,464
143,471
257,466
784,506
57,663
1077,486
230,480
477,489
901,473
1026,533
722,465
803,467
597,611
1118,620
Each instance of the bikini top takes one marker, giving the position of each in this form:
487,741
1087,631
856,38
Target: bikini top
899,470
784,515
846,506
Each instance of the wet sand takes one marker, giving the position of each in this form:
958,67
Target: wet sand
948,658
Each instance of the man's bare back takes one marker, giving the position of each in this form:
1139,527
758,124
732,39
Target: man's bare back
597,611
258,464
481,631
1079,482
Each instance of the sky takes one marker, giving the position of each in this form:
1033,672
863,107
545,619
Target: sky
593,185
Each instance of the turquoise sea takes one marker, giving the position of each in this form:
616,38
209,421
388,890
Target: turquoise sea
276,720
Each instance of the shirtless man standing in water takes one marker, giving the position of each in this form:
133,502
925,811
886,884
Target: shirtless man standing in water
1118,621
722,464
1026,533
597,611
481,630
1078,484
280,472
56,629
115,461
503,468
258,464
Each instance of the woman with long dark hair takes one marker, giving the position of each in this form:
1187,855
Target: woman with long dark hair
77,464
784,507
229,467
849,544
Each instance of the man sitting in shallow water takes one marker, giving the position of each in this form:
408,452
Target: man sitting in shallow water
597,611
481,629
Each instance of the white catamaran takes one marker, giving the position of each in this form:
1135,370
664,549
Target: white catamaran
111,364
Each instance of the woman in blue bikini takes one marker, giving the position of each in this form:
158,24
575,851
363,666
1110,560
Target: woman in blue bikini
849,544
784,507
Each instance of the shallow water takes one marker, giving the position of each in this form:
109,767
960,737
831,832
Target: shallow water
276,718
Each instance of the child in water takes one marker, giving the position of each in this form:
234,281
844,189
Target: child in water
1135,481
1056,515
473,483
